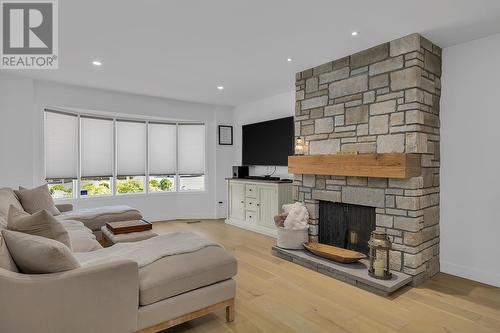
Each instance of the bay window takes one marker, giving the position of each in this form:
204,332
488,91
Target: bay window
162,157
96,155
89,156
191,157
61,153
130,156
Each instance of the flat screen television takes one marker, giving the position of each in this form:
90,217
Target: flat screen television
268,142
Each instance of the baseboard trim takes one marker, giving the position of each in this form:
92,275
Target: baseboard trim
255,228
478,275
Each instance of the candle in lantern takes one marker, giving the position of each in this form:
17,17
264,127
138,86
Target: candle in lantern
378,267
299,146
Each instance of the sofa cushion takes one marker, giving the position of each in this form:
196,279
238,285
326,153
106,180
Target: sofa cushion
8,198
177,274
38,255
6,261
37,199
95,218
3,222
82,238
41,223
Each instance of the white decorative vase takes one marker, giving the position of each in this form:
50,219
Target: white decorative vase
292,239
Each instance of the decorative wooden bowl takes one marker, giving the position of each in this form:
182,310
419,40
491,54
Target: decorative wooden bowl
334,253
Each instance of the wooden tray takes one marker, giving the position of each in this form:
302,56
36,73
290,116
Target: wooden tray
125,227
334,253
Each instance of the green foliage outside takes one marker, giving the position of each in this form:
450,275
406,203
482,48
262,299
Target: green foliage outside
68,192
102,188
156,186
130,186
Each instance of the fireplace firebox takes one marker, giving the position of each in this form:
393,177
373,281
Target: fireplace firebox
345,225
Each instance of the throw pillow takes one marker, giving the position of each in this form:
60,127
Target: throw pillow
37,199
38,255
7,198
41,224
6,261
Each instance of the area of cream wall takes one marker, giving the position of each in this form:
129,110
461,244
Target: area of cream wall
470,155
224,161
26,118
16,149
277,106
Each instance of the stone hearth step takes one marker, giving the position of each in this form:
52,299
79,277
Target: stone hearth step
355,274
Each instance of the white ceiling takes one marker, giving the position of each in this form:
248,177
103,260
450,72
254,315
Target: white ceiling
184,49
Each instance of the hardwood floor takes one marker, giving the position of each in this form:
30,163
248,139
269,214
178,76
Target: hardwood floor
274,295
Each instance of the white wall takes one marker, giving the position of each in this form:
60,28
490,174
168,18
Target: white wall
278,106
16,148
21,110
224,160
470,155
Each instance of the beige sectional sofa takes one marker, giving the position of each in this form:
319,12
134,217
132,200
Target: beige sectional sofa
112,296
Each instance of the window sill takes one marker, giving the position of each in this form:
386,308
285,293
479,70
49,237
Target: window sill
130,195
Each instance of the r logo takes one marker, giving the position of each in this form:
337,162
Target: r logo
29,34
27,28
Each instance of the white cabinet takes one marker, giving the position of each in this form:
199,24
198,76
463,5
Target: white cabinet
237,201
254,203
268,205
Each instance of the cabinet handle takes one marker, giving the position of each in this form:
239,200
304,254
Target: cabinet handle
242,201
257,205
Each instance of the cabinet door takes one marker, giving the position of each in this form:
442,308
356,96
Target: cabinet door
267,196
237,204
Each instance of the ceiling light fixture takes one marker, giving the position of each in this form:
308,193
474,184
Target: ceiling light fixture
354,33
220,87
97,63
289,59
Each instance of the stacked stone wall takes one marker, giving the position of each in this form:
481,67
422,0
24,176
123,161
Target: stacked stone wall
381,100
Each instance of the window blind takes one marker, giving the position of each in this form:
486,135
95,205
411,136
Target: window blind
96,147
130,148
162,149
61,145
191,149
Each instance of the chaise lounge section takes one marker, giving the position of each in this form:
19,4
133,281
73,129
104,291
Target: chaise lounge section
95,218
114,290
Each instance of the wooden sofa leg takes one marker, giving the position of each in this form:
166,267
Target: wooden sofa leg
230,311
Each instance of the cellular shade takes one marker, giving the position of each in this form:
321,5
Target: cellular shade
61,145
130,148
191,149
162,149
96,147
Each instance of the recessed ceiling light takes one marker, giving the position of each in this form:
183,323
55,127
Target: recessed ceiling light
289,59
220,87
96,63
354,33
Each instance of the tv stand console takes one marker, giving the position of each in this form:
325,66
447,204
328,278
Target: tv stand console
263,178
253,203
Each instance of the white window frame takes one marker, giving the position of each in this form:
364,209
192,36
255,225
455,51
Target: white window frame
113,181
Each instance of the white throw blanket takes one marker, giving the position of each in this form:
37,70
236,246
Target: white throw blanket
298,216
147,251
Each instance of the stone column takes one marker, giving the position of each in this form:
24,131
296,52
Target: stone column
381,100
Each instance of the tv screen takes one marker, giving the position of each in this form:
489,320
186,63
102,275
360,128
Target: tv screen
268,142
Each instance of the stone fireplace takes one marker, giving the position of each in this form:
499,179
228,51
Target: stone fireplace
381,100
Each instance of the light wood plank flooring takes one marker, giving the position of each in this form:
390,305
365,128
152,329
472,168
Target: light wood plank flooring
274,295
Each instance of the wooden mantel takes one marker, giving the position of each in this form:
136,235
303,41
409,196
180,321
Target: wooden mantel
363,165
